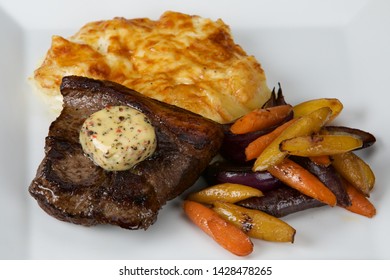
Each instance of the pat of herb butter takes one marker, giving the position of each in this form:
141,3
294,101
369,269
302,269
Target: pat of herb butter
118,137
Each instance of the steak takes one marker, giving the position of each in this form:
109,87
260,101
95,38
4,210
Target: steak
70,187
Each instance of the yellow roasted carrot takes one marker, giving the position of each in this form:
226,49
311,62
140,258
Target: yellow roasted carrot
320,145
309,106
355,170
255,223
226,192
303,126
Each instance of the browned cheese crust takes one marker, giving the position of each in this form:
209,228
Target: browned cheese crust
188,61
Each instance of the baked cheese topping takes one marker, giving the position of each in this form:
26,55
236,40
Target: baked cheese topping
188,61
118,137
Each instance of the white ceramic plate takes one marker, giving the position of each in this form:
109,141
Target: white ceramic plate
314,48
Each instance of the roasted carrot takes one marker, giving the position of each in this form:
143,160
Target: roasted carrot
226,192
297,177
224,233
319,145
309,106
355,170
256,147
321,160
303,126
260,119
255,223
359,203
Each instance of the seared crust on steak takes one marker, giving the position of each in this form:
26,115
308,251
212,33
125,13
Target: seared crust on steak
70,187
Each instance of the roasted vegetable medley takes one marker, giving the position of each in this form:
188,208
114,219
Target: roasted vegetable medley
278,160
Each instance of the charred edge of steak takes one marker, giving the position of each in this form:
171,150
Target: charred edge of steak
71,188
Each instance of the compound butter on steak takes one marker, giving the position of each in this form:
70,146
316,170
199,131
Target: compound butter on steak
187,61
71,187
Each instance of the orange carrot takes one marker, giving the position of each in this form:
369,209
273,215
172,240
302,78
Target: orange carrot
360,204
321,160
225,234
260,119
297,177
256,147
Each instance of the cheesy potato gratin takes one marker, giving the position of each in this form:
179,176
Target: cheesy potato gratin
188,61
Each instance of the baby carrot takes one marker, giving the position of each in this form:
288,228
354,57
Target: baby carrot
260,119
309,106
224,233
355,170
305,125
319,145
359,203
297,177
255,223
256,147
321,160
226,192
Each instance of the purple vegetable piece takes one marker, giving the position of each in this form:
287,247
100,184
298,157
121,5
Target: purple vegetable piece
281,202
233,146
223,172
328,176
275,99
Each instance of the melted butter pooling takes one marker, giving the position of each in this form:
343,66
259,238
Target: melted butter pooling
118,137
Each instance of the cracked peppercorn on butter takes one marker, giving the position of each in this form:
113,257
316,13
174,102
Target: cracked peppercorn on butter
118,137
187,61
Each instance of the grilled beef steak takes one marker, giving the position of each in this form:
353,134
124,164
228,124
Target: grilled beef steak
70,187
